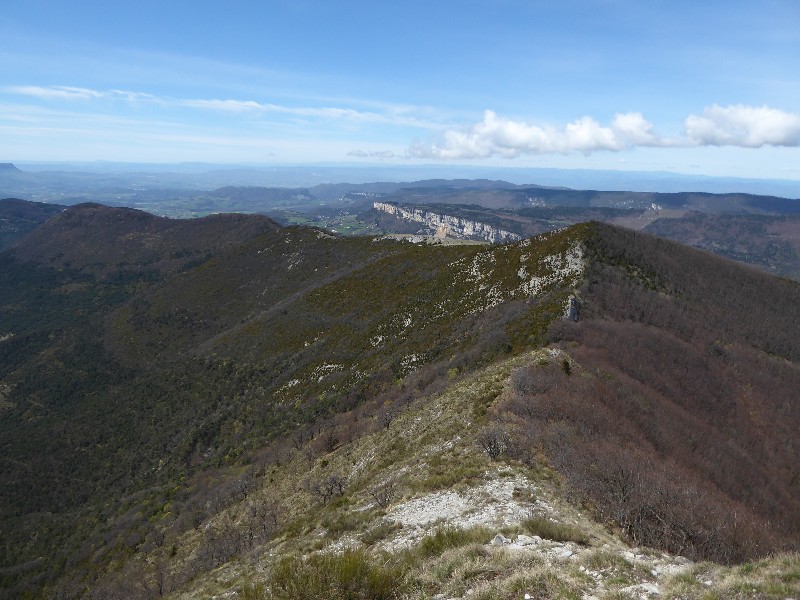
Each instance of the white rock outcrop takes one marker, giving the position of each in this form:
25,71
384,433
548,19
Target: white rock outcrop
448,225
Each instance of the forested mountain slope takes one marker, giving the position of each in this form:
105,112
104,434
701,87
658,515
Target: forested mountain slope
192,352
20,217
105,241
690,369
158,377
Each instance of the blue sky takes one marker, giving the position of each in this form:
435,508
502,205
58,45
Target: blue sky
692,87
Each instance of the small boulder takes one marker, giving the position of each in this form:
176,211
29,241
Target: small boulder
528,540
500,540
563,552
642,590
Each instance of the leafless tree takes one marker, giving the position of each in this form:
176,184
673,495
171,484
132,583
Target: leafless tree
386,417
265,514
331,486
494,441
330,440
384,493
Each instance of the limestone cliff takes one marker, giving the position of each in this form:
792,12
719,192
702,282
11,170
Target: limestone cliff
448,225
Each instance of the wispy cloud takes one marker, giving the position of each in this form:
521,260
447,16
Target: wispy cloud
371,127
60,92
65,92
741,126
391,115
373,154
131,95
236,106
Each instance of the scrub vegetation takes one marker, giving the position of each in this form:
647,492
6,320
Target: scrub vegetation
280,405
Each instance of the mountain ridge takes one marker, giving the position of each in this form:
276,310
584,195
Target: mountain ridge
170,402
73,236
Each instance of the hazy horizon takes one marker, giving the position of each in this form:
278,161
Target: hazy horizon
199,175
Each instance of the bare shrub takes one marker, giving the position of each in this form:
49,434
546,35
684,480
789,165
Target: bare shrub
494,441
385,417
329,441
265,515
649,444
535,380
384,493
329,487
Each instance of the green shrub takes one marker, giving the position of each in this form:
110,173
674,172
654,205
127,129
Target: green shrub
445,538
253,591
340,523
447,475
603,559
380,532
558,532
544,586
351,575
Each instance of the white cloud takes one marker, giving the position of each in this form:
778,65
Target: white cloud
223,105
55,92
129,95
325,112
64,92
637,131
495,136
745,126
734,125
396,115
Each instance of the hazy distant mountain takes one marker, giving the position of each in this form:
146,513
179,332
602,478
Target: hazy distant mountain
345,207
147,186
766,241
182,397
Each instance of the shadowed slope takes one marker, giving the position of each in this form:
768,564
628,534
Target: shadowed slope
680,421
104,241
20,217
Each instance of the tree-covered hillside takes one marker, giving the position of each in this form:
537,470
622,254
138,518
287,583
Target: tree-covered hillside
177,395
139,352
19,217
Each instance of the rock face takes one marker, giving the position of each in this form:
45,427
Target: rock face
572,310
448,225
